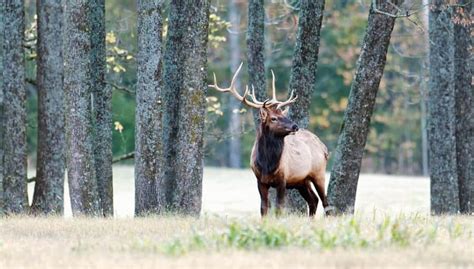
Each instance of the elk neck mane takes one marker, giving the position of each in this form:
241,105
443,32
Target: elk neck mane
269,150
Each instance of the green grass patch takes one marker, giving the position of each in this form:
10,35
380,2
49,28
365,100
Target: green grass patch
347,232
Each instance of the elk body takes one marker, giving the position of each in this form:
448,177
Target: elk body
283,156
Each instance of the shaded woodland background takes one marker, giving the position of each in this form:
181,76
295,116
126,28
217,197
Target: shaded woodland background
86,84
397,140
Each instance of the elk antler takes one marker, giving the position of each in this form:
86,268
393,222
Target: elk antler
254,103
234,92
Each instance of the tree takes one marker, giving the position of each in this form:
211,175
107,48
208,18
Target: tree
441,112
15,197
102,108
464,103
303,72
255,51
234,127
49,183
1,110
148,146
355,127
78,88
184,92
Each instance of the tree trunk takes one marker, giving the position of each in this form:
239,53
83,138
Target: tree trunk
102,108
234,128
184,106
350,147
14,109
2,120
255,52
464,111
441,112
148,111
78,87
303,74
50,168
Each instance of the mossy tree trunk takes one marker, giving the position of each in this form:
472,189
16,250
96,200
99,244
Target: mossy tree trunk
79,128
303,74
350,147
234,128
255,52
102,108
148,146
14,108
441,112
185,62
49,184
464,102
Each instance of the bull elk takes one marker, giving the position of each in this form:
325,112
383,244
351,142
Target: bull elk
283,156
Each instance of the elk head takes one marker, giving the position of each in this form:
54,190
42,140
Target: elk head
272,116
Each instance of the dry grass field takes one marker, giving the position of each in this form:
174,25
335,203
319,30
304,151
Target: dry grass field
392,228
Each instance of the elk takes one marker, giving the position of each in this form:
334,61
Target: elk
283,156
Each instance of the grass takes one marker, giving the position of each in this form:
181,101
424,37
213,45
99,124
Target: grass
230,234
414,240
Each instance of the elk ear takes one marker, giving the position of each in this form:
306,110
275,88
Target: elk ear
285,112
263,113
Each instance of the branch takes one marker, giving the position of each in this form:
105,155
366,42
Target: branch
124,157
407,14
119,87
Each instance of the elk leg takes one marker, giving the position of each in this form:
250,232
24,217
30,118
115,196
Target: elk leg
303,190
280,199
264,201
320,188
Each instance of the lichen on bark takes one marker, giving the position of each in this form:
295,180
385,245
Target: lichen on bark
148,145
185,62
14,108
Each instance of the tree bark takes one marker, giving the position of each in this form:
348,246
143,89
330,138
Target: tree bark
255,52
350,147
50,168
78,87
148,143
184,106
464,103
234,128
102,108
303,74
14,108
2,120
441,112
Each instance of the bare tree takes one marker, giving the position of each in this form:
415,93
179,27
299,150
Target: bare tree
14,145
255,51
102,108
184,95
148,145
79,128
303,72
464,102
49,184
350,147
441,112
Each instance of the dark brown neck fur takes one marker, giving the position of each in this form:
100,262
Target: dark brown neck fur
269,149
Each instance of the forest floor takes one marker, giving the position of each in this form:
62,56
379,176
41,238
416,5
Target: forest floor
391,228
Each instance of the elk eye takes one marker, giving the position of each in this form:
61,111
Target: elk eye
274,119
